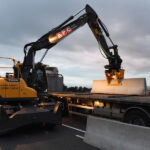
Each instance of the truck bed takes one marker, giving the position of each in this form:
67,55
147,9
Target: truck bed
140,100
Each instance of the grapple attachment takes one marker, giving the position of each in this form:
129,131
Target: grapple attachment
114,77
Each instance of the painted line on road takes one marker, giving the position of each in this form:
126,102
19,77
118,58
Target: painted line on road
79,136
73,128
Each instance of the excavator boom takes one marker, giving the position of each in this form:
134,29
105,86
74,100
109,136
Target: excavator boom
54,36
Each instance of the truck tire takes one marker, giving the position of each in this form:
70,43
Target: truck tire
137,117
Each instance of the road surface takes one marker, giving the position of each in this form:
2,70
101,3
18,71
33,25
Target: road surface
69,136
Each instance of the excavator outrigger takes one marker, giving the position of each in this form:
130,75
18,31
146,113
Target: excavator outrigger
23,94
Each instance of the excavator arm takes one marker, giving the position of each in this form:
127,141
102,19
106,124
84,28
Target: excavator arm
47,41
113,69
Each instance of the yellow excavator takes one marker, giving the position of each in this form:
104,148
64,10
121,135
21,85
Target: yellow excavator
23,95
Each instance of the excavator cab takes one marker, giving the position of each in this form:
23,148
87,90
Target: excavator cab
36,79
40,79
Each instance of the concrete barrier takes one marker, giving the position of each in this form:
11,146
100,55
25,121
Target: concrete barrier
113,135
131,86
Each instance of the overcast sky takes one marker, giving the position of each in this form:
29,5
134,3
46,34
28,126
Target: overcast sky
77,57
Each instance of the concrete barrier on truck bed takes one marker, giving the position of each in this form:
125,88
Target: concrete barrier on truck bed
131,86
113,135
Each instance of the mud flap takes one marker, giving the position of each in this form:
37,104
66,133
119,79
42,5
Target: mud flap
29,115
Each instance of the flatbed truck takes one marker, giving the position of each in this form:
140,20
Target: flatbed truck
127,108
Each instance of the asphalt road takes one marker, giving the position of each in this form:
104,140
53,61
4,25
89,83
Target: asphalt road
69,136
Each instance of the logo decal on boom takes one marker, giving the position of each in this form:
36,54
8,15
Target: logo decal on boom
69,29
59,35
64,32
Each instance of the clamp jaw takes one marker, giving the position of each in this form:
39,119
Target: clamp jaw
117,75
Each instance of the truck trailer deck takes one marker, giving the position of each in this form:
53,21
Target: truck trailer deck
106,97
128,108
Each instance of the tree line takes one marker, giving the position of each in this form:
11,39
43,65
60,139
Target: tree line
76,89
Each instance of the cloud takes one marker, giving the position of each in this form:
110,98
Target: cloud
78,54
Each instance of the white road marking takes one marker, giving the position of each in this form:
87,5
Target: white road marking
79,136
73,128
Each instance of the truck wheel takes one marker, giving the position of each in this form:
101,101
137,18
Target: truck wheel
137,117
